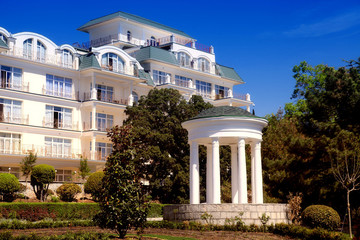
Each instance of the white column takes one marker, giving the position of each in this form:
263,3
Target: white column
93,148
234,175
194,173
131,98
258,174
216,192
209,178
253,190
242,171
93,94
93,116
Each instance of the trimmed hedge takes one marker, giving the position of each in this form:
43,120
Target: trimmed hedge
68,191
67,236
59,211
55,211
21,224
321,216
9,184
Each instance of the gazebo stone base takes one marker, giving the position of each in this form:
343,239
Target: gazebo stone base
220,212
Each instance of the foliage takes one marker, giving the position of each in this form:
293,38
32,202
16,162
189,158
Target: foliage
93,184
41,177
321,216
46,223
55,211
163,159
27,164
294,202
9,184
68,191
67,236
84,169
122,199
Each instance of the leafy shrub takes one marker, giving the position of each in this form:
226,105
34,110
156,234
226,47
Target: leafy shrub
321,216
9,184
93,184
41,176
68,191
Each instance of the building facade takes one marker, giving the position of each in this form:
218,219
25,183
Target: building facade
58,101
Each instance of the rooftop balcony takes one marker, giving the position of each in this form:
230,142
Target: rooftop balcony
32,56
123,39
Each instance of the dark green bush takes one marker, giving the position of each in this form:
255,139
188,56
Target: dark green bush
93,184
67,236
321,216
9,184
68,191
41,176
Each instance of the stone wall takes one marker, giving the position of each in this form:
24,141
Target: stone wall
220,212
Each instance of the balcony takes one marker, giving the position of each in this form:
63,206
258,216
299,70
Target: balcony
123,70
41,151
98,155
24,87
32,56
60,124
105,98
14,118
61,94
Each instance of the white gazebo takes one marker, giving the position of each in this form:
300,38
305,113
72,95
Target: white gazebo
232,126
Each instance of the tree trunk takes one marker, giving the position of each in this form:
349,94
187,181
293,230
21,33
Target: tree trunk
349,212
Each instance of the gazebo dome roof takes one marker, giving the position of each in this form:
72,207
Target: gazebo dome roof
224,111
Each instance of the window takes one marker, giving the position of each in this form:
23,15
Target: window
221,92
41,50
58,147
203,65
104,93
11,77
102,150
27,48
58,86
10,143
182,81
58,117
13,170
184,59
203,88
112,62
4,38
129,37
159,77
67,59
135,97
153,41
103,121
63,175
10,111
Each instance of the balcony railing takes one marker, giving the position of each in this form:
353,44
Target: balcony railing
14,118
62,94
15,86
33,56
106,98
41,151
99,156
123,70
88,126
60,124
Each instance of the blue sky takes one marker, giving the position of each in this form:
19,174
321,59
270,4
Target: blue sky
262,40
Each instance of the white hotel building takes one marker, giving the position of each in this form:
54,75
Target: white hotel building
58,101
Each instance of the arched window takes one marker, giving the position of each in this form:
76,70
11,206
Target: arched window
41,49
67,59
27,48
203,65
184,59
4,38
129,37
135,97
112,62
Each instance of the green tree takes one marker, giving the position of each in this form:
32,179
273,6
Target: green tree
122,199
27,165
164,157
344,152
9,184
41,177
84,169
